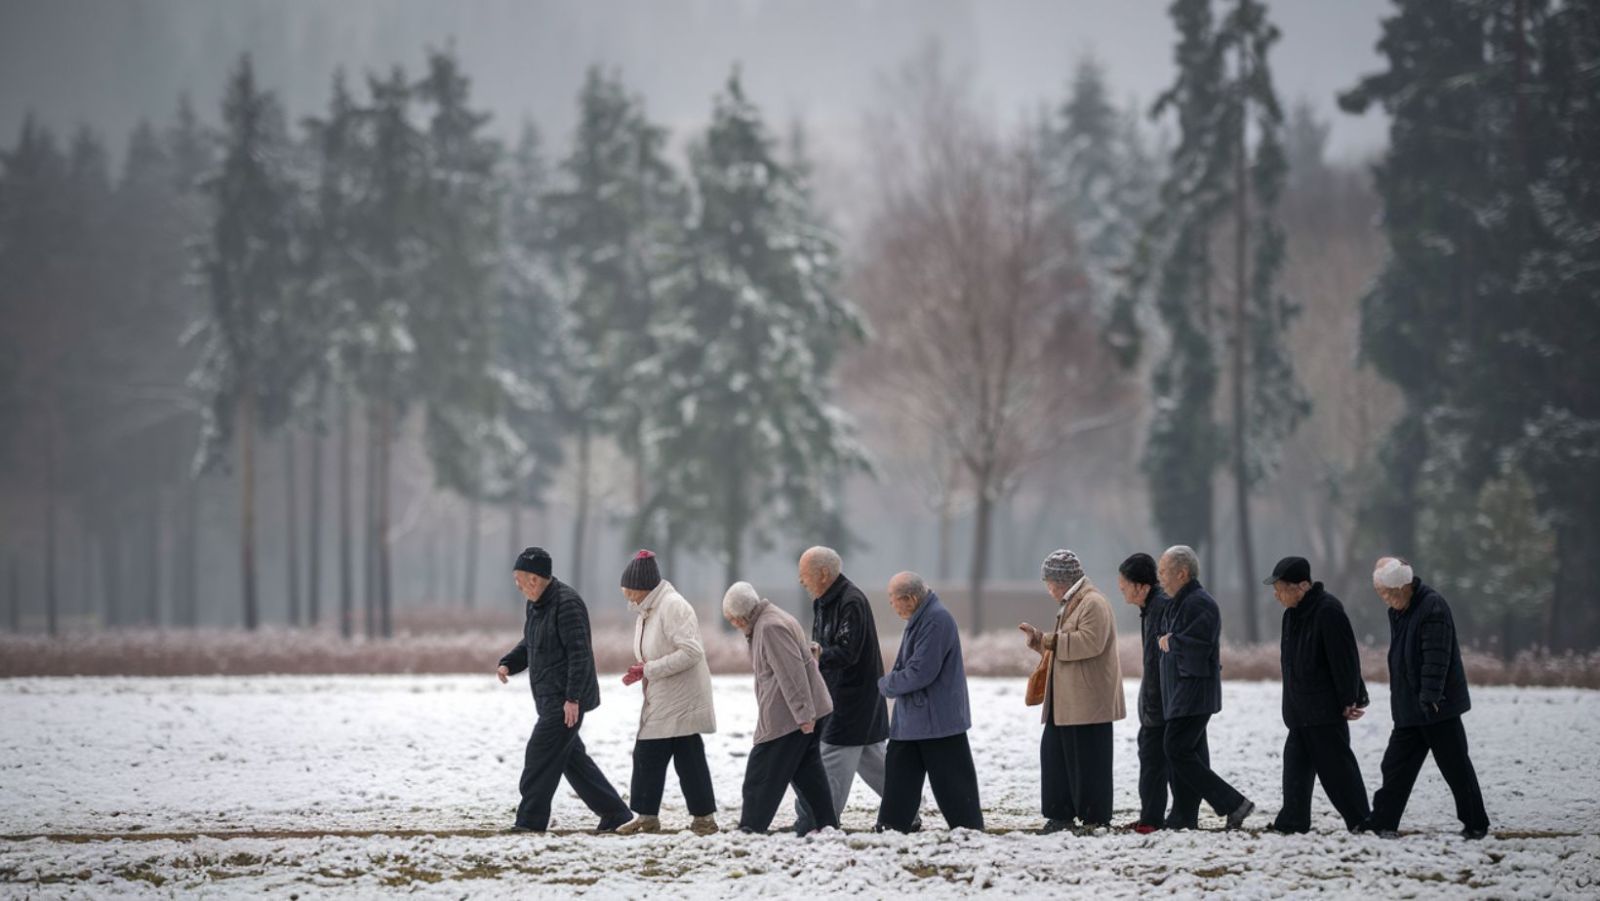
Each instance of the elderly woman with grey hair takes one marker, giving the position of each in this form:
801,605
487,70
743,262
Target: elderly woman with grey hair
791,700
1082,697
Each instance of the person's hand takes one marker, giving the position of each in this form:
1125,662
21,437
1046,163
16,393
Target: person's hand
570,709
1166,646
1035,637
816,650
634,674
1353,713
807,727
504,673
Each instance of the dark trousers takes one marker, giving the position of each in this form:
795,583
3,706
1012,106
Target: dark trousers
688,756
1408,748
1320,753
945,763
1192,778
555,751
794,759
1075,773
1153,775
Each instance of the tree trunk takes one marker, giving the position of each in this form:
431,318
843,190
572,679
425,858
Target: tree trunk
247,508
14,595
346,539
189,557
1241,325
369,549
513,527
314,549
152,553
385,587
469,586
292,518
580,523
110,567
982,522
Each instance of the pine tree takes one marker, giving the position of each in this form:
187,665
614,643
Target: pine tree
613,221
747,440
249,269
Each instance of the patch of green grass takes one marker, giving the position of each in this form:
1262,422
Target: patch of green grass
141,872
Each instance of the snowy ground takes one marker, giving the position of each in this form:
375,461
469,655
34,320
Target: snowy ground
357,785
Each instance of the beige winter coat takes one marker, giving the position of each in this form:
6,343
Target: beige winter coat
789,687
677,690
1085,685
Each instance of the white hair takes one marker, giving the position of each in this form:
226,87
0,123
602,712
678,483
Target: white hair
740,600
1392,572
825,560
1184,556
910,585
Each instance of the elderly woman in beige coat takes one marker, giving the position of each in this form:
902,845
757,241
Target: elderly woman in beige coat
677,704
1083,697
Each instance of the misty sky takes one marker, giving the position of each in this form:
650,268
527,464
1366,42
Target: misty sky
111,62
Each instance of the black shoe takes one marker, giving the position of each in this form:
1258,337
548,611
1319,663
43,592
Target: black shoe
1472,834
609,827
518,827
1053,826
748,831
1281,830
1237,818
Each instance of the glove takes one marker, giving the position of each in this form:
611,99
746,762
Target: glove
634,674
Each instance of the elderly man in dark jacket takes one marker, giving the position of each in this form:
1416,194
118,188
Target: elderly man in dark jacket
1322,693
928,732
557,652
1191,691
845,641
1136,579
1427,696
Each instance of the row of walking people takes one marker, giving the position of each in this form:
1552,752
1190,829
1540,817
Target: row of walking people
822,716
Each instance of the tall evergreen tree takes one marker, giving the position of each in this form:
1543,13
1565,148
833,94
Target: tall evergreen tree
747,440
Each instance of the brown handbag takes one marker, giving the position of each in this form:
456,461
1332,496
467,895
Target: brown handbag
1039,679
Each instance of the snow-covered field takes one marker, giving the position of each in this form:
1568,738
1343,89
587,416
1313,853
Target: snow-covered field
362,785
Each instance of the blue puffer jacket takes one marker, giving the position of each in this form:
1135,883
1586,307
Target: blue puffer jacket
1191,673
928,682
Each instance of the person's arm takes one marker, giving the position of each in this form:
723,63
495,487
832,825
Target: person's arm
923,664
517,659
683,630
788,658
847,639
1194,639
1437,639
1343,657
1087,637
574,626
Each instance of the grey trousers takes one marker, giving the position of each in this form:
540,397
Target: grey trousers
843,762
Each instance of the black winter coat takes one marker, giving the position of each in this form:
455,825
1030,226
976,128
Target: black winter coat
1427,683
1321,662
1191,673
851,665
1150,616
557,651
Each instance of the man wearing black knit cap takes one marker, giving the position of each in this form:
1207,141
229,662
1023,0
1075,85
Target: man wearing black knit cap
1322,694
557,652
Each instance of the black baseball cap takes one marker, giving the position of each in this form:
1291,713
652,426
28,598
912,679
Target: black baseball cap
1293,570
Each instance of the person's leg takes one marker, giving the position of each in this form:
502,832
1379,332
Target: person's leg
1092,786
903,775
1448,741
649,778
1402,761
1152,776
694,776
766,778
1339,772
542,764
954,780
840,763
870,767
1299,778
592,786
810,781
1055,779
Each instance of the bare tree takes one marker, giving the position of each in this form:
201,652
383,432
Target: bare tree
984,337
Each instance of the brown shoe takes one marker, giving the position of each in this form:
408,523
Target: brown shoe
706,825
640,823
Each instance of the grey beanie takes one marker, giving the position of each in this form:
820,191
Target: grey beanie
1061,566
641,574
